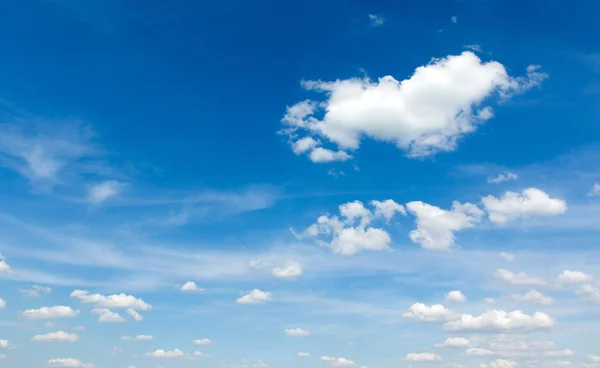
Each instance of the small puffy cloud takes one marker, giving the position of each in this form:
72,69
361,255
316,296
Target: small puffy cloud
2,303
297,332
500,363
255,296
111,301
573,277
58,336
456,296
429,112
456,342
502,177
4,267
508,256
291,270
519,278
387,209
68,362
533,296
302,354
160,353
594,358
422,357
107,316
430,313
190,287
36,291
4,344
479,352
501,321
595,190
531,202
589,293
137,338
376,20
558,353
436,227
101,192
134,314
323,155
58,311
338,362
203,341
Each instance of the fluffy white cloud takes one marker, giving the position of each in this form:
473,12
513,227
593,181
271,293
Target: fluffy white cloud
58,311
456,342
436,227
500,363
387,209
589,292
349,238
291,270
160,353
68,362
190,287
134,314
595,190
520,278
530,203
302,354
429,112
422,357
255,296
456,296
4,344
58,336
111,301
594,358
101,192
533,296
203,341
430,313
501,321
2,303
508,256
297,332
573,277
502,177
479,352
36,291
107,316
4,267
338,362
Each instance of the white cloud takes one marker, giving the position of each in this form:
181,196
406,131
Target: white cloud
58,311
595,190
573,277
2,303
531,202
255,296
297,332
203,341
436,227
4,267
322,155
501,321
302,354
502,177
422,357
58,336
107,316
479,352
4,344
191,287
500,363
36,291
103,191
137,338
160,353
533,296
291,270
508,256
589,292
111,301
338,362
376,20
429,112
456,296
520,278
134,314
456,342
433,313
68,362
558,353
594,358
387,209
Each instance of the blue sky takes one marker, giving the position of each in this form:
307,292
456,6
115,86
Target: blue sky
288,184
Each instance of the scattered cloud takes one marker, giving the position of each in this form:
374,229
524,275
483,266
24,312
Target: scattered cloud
190,287
255,296
137,338
501,321
573,277
432,313
456,296
301,354
531,202
595,190
68,362
502,177
291,270
203,341
100,192
508,256
134,314
159,353
338,362
376,20
533,296
422,357
297,332
36,291
111,301
456,342
107,316
58,311
58,336
520,278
